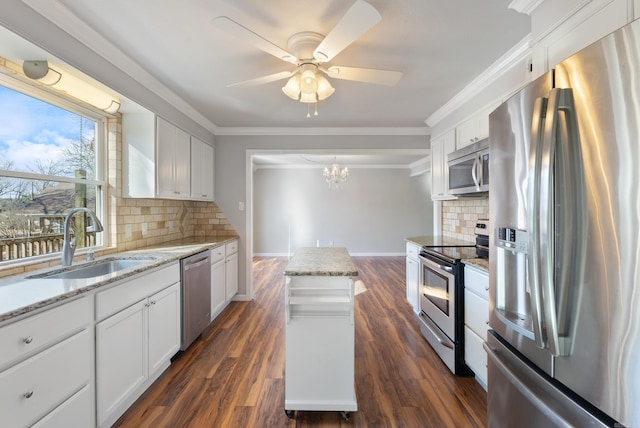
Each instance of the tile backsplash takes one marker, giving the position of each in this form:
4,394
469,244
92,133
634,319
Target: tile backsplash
459,217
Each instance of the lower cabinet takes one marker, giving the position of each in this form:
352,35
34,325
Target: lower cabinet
46,368
476,320
231,276
413,276
218,284
134,346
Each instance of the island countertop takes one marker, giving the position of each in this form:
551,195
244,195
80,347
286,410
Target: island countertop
321,261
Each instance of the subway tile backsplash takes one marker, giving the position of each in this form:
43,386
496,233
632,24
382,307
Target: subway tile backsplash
459,217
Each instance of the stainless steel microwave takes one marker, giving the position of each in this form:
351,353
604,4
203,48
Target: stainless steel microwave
469,169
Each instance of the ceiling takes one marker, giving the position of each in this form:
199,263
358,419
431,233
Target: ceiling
440,46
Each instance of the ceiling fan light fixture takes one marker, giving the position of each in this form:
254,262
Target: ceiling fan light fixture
292,88
308,82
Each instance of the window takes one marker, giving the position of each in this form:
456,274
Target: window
50,162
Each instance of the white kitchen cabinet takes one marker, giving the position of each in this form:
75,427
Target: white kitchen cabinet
202,159
134,345
218,284
472,130
157,158
476,320
231,270
412,274
46,360
440,148
173,155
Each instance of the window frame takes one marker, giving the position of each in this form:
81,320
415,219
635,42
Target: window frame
51,96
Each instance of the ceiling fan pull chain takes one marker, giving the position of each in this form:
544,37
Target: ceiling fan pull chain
308,111
315,113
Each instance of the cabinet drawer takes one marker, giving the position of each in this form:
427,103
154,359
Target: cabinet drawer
35,386
475,355
35,333
231,247
477,281
77,411
133,290
476,313
218,253
412,251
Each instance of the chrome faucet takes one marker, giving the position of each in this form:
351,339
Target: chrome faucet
69,244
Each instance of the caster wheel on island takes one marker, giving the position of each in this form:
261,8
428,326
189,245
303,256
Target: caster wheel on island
290,413
344,415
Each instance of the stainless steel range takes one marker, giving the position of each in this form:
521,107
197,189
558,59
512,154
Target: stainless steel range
442,299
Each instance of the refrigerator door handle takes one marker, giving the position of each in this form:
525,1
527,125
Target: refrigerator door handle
533,255
560,101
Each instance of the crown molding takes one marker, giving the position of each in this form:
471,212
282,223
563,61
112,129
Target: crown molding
517,53
400,131
525,6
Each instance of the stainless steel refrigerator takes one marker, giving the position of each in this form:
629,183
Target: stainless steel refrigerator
564,349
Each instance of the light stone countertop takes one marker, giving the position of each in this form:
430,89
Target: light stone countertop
321,261
482,264
20,294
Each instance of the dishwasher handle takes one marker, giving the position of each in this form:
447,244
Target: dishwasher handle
198,263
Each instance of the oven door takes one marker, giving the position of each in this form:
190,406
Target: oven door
437,294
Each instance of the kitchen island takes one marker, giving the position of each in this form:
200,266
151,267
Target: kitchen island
320,334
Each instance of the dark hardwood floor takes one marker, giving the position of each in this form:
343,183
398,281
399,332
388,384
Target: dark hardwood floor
233,376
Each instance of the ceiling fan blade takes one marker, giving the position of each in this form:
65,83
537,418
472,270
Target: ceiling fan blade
368,75
264,79
242,33
357,21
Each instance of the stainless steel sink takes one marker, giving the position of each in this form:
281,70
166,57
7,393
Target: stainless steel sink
94,269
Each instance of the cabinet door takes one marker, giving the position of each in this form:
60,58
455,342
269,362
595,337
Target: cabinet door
467,133
201,170
77,411
165,157
182,157
440,148
413,271
218,288
121,357
164,326
231,276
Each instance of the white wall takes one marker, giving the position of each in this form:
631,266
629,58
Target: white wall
371,214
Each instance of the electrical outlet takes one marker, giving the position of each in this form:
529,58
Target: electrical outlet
127,231
145,229
240,206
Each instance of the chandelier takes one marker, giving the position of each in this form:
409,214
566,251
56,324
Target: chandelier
335,176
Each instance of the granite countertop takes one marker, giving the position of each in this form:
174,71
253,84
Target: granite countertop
20,294
321,261
482,264
437,241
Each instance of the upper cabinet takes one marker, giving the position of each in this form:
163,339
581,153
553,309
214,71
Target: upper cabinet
173,155
472,130
202,157
440,148
158,162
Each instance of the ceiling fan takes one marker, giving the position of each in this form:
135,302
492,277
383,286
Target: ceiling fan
308,51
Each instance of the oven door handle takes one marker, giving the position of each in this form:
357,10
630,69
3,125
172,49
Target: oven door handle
436,333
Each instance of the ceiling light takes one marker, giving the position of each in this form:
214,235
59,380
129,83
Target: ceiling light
71,85
307,85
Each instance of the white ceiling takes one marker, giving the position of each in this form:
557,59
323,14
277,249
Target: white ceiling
438,45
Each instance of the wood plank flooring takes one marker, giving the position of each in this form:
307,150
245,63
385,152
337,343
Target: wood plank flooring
233,376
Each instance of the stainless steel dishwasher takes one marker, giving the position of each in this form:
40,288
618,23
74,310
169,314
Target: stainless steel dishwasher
196,296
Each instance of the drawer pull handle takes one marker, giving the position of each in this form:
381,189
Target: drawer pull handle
28,394
28,340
